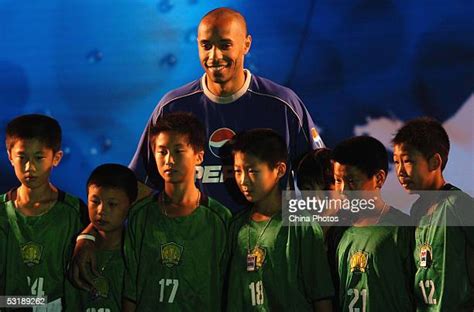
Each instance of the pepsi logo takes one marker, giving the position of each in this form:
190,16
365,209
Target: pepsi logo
218,139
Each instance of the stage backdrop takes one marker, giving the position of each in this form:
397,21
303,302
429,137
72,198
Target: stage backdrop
361,67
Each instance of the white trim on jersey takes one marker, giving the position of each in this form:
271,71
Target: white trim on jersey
226,99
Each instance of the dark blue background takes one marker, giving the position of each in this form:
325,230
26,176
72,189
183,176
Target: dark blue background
100,67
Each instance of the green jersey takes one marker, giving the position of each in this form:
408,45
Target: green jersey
275,267
39,248
107,296
442,279
3,252
176,264
375,267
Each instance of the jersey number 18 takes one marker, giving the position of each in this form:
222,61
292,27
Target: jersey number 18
256,293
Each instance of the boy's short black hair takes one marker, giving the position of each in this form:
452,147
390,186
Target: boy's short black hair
183,123
265,144
115,176
34,126
427,136
364,152
316,168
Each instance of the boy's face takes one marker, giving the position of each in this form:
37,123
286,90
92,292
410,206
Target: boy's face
175,158
33,162
254,177
412,168
351,178
108,207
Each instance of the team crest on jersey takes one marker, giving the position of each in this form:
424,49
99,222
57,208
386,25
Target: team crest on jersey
359,262
259,253
31,253
101,288
171,254
218,139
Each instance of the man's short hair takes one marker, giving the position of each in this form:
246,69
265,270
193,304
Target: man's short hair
223,11
184,123
265,144
364,152
34,126
115,176
316,168
427,136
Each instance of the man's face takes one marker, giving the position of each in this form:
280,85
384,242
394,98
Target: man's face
222,44
412,168
33,162
175,157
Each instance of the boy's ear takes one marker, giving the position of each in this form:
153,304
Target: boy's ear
435,162
10,157
199,157
57,158
281,169
380,178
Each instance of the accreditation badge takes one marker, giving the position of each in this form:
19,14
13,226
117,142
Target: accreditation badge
255,259
426,256
251,262
101,288
31,253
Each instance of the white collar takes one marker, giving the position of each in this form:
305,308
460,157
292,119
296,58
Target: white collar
226,99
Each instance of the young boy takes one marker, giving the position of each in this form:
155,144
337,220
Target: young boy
111,189
272,267
443,252
315,171
38,220
175,245
374,264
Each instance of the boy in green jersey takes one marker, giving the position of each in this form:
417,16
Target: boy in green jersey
373,255
111,189
444,234
273,267
175,244
316,173
38,221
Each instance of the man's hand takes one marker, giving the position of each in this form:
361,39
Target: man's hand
82,269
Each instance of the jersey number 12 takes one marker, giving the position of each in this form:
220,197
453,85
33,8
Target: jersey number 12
428,285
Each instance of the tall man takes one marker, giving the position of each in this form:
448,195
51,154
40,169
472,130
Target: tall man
229,99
